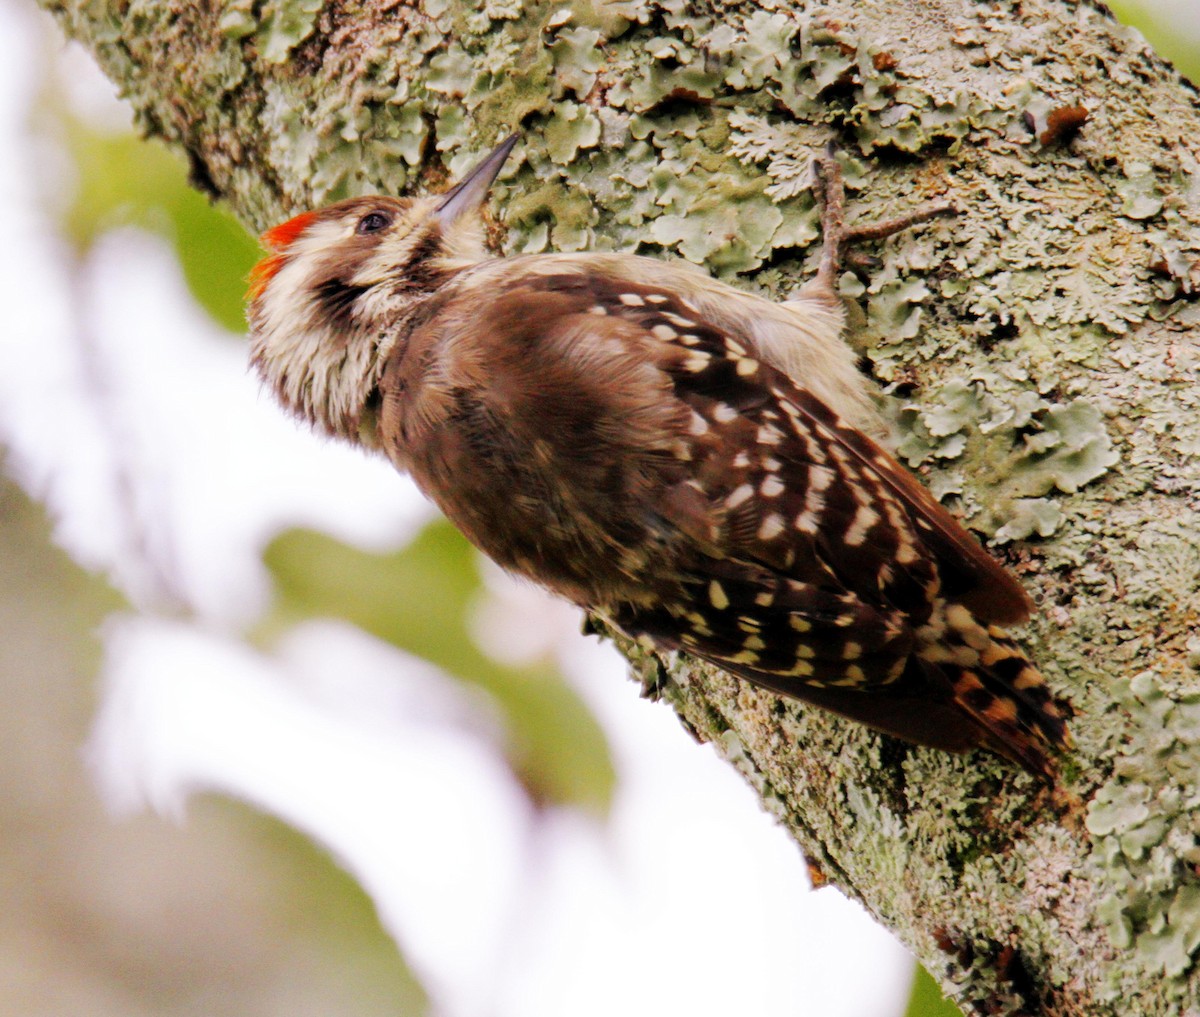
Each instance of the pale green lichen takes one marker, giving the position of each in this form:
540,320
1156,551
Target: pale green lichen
577,59
286,24
1141,196
894,308
571,128
1070,449
237,19
756,51
1027,517
450,72
733,236
785,149
1146,823
1034,448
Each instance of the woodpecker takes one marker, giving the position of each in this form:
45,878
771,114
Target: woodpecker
700,467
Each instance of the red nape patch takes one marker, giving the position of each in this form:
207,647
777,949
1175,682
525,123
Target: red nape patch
277,239
280,237
262,273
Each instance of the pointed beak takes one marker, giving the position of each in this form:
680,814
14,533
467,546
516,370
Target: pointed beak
469,193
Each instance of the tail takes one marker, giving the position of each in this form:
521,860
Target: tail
995,685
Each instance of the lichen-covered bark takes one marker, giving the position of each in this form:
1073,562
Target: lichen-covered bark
1040,353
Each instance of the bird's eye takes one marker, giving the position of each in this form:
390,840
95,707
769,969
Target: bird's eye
373,222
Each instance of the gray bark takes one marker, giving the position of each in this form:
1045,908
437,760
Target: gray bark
1039,352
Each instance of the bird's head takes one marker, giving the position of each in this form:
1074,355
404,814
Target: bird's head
330,300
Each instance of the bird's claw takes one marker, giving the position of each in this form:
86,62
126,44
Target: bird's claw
838,238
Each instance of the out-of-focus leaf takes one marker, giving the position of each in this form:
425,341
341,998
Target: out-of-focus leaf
316,897
1180,48
419,600
233,913
124,180
216,255
927,999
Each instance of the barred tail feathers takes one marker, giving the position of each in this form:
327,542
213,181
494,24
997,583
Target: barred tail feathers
995,685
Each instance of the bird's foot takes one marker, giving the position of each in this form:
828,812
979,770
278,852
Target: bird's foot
838,238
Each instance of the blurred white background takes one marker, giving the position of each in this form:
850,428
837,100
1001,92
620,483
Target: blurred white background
128,413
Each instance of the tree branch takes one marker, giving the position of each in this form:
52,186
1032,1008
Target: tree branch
1041,352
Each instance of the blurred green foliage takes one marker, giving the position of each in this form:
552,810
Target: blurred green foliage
320,899
1149,18
124,180
927,999
420,599
105,917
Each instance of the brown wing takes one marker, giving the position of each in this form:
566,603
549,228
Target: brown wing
967,573
818,560
638,460
970,576
780,481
